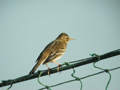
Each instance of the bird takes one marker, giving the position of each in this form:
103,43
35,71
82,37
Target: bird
52,52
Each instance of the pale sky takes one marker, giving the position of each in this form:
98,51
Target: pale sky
27,26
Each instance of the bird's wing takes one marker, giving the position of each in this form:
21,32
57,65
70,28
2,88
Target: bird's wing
57,51
42,57
45,53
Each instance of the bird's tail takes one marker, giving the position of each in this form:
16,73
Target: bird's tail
35,67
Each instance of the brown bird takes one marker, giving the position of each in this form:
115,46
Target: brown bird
52,52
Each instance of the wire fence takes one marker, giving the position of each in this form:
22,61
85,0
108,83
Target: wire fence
66,66
81,78
78,79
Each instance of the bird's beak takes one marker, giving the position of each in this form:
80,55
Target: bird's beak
72,39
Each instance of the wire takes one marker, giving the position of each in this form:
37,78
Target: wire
77,78
106,70
72,80
46,86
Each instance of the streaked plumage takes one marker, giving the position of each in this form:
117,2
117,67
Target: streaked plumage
52,52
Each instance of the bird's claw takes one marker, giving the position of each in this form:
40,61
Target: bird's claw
58,69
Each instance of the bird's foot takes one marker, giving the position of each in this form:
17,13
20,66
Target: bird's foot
58,68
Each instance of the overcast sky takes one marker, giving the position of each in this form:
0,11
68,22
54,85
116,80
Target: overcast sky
27,26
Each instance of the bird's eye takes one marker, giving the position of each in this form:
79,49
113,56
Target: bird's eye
66,38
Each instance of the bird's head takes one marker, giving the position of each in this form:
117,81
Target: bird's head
65,37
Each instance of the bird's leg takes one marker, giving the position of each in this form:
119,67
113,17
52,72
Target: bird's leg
58,69
48,69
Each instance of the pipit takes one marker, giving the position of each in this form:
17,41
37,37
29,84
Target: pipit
52,52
